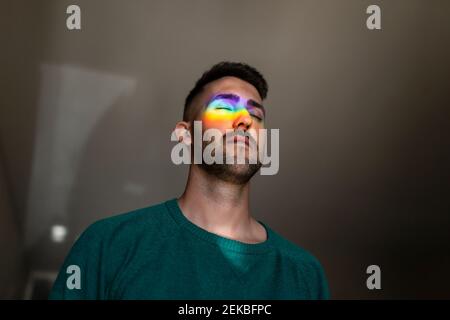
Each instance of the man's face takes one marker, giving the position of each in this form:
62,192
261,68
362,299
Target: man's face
233,105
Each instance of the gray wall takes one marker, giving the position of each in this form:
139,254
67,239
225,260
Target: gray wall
86,117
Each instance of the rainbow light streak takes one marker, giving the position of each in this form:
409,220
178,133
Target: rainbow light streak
221,110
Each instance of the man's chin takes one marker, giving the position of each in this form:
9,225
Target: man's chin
232,173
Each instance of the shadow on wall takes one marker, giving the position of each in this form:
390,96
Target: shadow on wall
12,262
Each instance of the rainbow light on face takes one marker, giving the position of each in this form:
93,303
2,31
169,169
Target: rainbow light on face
224,110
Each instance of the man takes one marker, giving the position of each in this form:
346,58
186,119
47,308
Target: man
205,244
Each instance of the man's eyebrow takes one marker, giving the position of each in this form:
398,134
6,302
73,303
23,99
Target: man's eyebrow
225,96
235,98
253,103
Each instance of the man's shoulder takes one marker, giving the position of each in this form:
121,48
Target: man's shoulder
294,252
305,263
129,224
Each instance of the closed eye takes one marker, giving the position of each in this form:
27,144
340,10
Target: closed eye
255,113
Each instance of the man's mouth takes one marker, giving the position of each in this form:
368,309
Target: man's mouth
241,139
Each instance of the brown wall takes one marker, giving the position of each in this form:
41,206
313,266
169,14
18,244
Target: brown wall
86,116
12,262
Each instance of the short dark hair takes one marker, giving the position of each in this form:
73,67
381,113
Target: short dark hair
227,69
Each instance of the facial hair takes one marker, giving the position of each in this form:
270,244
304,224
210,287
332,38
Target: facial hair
234,173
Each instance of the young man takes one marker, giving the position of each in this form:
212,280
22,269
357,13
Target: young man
205,244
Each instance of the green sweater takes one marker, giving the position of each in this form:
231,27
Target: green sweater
157,253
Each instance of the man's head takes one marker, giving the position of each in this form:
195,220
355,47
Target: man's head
238,70
228,97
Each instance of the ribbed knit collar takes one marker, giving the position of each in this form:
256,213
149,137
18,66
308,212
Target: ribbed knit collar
225,243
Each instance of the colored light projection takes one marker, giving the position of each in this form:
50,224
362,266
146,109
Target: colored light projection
225,108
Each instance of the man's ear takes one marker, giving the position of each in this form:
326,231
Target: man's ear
182,132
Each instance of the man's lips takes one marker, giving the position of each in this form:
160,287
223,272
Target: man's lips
241,139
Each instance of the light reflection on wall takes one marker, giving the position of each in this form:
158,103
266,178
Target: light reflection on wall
72,99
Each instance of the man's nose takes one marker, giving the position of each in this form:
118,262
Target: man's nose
243,120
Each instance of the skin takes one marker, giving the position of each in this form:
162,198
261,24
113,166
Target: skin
215,205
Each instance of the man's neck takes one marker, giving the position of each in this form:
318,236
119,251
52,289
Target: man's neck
220,207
